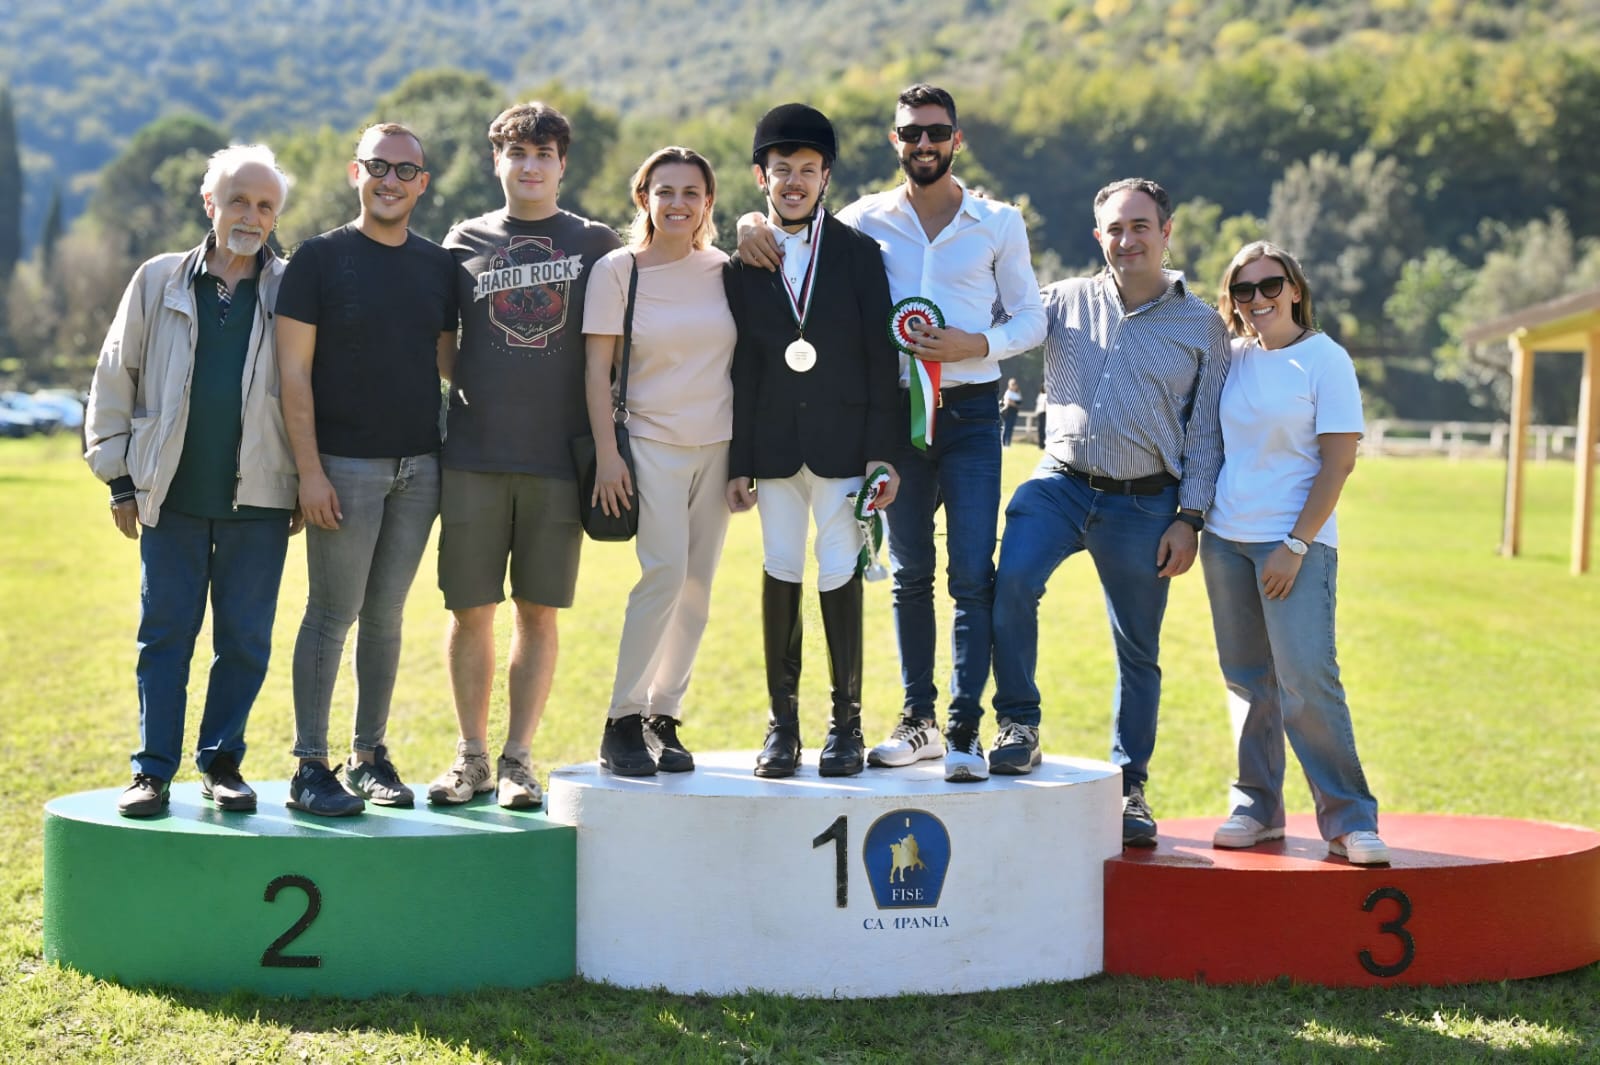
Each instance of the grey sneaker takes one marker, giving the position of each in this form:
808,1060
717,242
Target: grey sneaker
1138,824
1016,750
315,789
377,781
518,787
467,776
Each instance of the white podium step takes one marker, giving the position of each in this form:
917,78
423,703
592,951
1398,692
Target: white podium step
892,882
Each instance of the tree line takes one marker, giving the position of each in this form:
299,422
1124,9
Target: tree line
1428,179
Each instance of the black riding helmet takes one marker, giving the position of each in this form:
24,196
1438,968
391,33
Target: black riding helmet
795,124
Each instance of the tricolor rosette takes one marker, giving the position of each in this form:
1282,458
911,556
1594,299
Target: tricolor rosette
910,316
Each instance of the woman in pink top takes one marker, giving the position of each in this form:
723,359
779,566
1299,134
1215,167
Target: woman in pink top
680,403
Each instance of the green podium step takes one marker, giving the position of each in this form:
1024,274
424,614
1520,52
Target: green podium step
429,900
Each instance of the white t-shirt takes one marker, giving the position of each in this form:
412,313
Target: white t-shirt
1274,406
679,390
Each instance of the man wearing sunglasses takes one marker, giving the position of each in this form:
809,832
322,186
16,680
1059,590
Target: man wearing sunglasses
366,321
969,256
1134,366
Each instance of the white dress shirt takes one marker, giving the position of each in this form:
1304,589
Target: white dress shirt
977,270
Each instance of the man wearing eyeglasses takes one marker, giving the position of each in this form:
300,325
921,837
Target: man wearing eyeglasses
516,400
366,321
1134,366
969,256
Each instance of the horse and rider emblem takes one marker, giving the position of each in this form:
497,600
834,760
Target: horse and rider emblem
907,853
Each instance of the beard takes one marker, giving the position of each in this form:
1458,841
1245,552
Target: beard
245,243
941,167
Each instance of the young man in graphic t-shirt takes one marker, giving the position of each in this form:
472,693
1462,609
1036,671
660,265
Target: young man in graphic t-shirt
516,400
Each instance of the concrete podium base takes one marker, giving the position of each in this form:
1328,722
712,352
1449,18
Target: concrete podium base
891,882
1466,899
430,900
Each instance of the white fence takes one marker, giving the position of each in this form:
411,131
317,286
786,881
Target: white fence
1454,440
1458,440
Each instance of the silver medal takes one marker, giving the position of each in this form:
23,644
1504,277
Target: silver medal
800,355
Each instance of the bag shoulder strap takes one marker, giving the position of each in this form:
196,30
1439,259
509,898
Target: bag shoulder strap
627,338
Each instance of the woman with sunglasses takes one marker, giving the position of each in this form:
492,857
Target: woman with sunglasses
680,420
1291,419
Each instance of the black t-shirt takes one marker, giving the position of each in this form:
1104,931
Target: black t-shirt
379,311
517,398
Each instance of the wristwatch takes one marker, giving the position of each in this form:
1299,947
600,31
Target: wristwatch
1197,522
1295,545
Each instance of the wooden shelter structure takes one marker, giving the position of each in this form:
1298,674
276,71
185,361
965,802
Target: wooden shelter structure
1565,326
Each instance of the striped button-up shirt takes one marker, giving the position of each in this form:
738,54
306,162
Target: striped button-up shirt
1135,393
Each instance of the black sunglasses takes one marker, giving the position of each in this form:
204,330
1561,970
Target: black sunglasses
937,133
379,167
1245,291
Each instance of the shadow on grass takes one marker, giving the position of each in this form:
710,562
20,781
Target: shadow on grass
1553,1018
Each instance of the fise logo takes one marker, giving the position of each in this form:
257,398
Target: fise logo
906,854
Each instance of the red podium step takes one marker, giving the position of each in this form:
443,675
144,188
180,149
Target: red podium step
1466,899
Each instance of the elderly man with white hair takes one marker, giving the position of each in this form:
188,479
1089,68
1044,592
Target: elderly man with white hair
185,426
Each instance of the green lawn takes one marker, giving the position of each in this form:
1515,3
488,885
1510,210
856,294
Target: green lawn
1474,681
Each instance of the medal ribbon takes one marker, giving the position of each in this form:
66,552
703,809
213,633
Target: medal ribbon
924,401
800,306
869,520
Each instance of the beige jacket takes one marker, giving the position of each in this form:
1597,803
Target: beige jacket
139,402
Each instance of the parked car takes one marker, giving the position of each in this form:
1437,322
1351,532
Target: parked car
39,417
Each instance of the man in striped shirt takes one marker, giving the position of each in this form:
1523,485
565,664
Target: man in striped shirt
1134,366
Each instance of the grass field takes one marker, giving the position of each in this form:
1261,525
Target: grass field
1474,681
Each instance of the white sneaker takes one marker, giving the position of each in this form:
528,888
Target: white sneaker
964,759
467,776
914,739
1361,848
1242,830
518,788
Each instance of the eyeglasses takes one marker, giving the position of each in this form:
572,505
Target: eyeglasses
1245,291
379,167
937,133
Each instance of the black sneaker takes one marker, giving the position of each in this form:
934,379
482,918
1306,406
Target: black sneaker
1016,749
315,789
145,797
623,749
661,739
1138,824
222,784
377,781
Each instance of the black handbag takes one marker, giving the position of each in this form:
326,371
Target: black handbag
596,522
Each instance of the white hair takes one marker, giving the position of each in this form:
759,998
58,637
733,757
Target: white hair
227,162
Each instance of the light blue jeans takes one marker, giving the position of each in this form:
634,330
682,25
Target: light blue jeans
361,570
1278,659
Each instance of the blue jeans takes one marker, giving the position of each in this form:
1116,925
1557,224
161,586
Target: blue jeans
961,472
1278,659
1052,516
240,563
362,570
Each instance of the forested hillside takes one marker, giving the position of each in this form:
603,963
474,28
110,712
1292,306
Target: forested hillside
1435,163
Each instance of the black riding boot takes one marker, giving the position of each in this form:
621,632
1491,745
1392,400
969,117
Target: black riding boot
781,632
843,752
